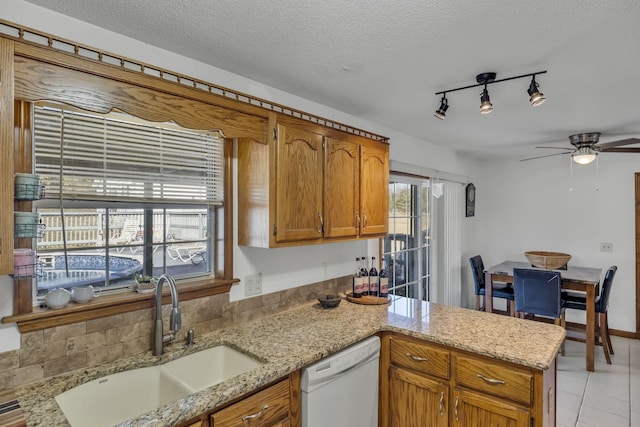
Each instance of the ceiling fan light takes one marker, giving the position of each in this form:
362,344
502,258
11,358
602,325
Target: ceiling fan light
485,103
584,156
441,112
536,97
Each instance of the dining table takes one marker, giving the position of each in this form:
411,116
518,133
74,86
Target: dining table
583,279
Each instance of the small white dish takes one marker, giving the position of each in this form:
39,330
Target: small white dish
82,294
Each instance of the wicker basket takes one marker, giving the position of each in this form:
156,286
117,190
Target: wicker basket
548,260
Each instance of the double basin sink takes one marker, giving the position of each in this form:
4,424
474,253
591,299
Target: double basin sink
118,397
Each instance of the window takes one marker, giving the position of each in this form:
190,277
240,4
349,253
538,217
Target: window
406,248
124,198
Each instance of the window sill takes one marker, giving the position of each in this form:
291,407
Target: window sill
108,305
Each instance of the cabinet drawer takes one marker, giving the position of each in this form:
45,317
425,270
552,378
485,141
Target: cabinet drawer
493,378
265,408
420,357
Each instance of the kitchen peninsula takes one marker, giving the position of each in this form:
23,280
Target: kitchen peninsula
290,340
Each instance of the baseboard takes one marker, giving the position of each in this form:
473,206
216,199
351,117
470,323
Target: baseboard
616,332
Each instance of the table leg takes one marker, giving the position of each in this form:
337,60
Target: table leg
488,296
591,322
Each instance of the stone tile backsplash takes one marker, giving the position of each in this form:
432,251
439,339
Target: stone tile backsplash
66,348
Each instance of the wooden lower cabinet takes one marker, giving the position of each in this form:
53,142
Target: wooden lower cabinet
472,409
427,384
417,400
267,408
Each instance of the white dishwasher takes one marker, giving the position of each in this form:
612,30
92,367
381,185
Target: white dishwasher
342,390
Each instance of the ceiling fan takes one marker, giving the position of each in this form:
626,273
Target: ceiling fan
586,147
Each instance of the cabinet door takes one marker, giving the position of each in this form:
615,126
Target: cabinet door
298,185
374,189
474,410
416,400
341,188
269,407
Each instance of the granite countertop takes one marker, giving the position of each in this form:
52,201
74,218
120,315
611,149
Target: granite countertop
290,340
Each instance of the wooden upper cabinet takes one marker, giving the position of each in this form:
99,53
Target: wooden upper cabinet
341,188
374,190
299,213
309,184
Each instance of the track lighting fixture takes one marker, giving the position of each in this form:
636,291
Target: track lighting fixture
584,156
485,103
535,96
444,104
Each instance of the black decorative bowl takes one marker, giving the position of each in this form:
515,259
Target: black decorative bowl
329,301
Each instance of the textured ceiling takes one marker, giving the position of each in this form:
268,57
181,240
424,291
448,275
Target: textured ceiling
383,60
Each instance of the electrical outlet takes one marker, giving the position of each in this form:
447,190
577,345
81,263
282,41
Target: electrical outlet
606,247
253,285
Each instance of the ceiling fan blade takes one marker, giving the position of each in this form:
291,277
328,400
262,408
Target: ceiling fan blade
608,145
548,155
622,150
555,148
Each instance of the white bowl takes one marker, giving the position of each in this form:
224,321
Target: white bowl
57,298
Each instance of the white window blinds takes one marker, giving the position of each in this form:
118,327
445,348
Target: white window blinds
111,159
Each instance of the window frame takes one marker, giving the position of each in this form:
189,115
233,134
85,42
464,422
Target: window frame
32,318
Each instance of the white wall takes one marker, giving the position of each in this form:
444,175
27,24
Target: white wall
281,268
538,205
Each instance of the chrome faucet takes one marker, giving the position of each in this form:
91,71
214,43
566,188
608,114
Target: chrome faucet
175,319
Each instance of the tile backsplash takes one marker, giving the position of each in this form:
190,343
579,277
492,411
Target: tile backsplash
61,349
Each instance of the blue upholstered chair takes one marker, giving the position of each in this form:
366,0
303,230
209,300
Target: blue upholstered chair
578,301
538,292
504,291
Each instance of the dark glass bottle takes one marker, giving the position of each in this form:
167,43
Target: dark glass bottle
373,278
364,273
357,280
384,281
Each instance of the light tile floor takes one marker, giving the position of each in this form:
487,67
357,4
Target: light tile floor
608,397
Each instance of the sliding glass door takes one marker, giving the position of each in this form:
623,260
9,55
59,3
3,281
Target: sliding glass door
406,249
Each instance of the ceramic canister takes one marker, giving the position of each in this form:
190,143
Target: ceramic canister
25,224
27,186
24,261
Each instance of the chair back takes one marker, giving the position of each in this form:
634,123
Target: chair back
537,292
477,268
603,301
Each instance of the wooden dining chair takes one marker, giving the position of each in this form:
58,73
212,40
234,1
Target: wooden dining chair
578,301
538,293
500,291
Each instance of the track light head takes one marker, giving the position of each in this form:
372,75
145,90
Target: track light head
485,103
536,97
444,105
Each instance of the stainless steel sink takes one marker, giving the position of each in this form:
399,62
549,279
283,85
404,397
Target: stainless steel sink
115,398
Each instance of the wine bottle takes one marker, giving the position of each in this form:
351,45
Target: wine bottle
373,278
364,273
357,280
384,281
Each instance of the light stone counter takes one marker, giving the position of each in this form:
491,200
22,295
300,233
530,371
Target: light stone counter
295,338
